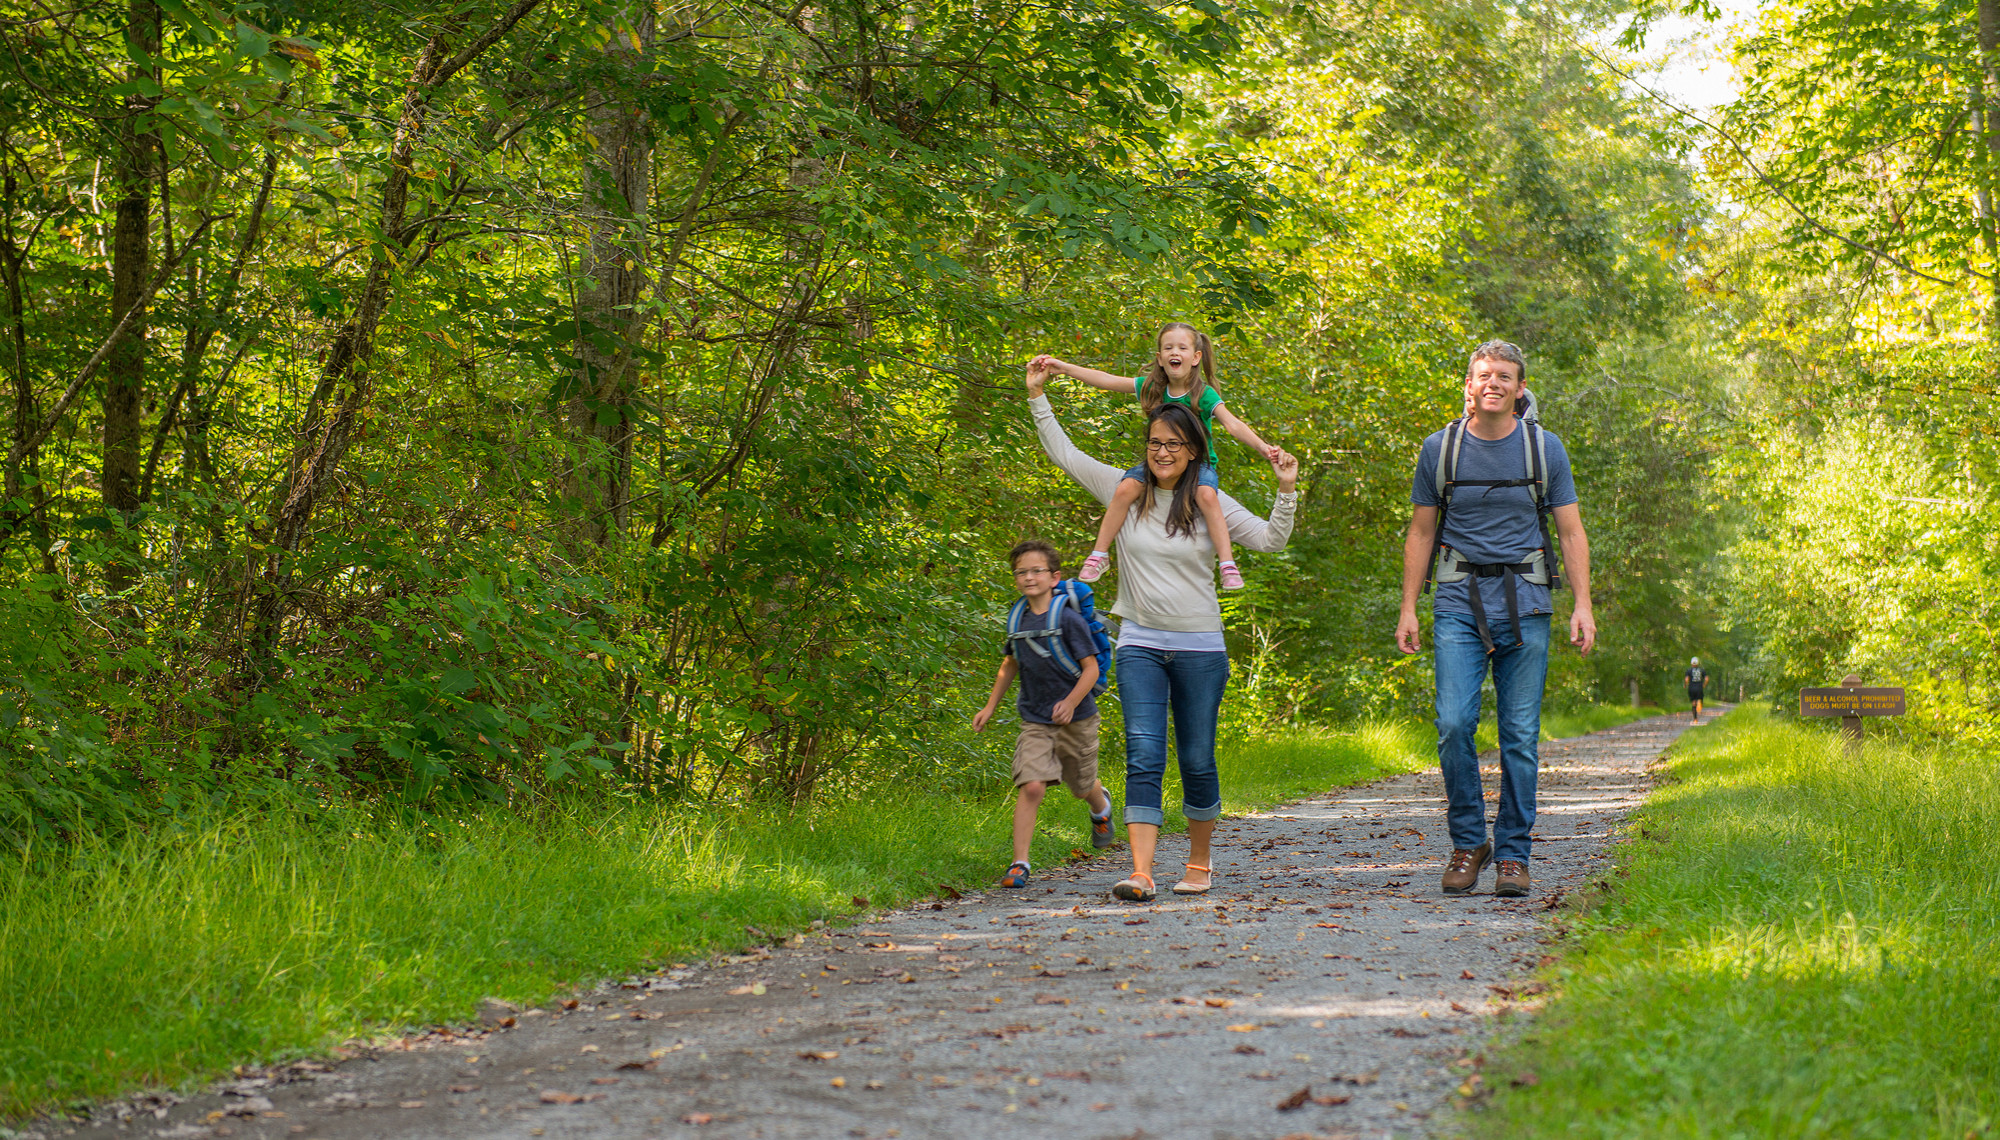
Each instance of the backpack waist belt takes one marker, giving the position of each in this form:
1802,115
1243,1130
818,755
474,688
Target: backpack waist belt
1455,567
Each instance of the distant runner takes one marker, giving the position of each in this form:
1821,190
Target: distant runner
1695,679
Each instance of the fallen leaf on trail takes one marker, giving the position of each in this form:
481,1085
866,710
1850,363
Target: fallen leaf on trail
754,990
1367,1078
1249,1050
569,1003
1465,974
588,1049
508,1022
604,1080
1122,986
1528,1078
1137,921
696,1118
464,1088
640,1065
1218,1003
948,891
1067,1075
1244,1028
1457,1008
1051,999
875,1084
818,1055
1330,1101
557,1096
860,900
1101,1106
1263,1075
1052,974
1296,1100
838,1082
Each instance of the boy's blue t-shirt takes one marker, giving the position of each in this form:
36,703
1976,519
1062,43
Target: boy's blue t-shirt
1493,524
1042,682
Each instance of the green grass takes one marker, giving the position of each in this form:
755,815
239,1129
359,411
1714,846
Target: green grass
172,955
1803,946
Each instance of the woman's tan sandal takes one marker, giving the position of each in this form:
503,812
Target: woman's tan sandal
1186,888
1137,888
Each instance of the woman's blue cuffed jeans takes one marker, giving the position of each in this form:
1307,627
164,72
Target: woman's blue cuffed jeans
1151,684
1520,671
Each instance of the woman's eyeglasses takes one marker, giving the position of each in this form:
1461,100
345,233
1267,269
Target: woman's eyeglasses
1170,446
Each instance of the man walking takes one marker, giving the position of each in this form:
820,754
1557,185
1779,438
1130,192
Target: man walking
1484,492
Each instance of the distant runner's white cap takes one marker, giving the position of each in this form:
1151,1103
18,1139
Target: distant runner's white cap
1694,660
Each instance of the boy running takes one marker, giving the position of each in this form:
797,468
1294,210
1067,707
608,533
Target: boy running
1058,738
1695,678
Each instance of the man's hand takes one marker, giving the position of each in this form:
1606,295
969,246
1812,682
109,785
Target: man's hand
1286,465
1582,629
984,716
1065,709
1408,632
1038,375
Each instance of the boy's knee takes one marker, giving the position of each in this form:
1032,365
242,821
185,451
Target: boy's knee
1034,790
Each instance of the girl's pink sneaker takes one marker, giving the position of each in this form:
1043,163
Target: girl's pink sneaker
1095,566
1232,578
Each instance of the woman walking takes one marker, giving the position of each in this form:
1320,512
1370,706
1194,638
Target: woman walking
1172,664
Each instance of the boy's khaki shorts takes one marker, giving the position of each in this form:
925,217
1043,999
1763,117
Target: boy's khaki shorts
1046,753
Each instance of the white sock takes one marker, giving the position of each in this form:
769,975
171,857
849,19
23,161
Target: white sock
1022,863
1229,562
1099,554
1101,818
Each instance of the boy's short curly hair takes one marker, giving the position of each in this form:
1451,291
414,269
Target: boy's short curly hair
1035,546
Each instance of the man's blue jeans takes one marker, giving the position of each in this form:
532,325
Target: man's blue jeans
1151,683
1519,675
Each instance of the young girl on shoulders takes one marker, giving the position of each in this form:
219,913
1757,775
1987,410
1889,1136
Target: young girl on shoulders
1182,372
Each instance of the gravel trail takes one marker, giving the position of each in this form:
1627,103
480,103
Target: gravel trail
1325,961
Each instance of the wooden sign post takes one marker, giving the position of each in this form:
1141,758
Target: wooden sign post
1850,702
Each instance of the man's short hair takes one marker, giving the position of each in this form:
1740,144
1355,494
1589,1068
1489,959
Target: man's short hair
1034,546
1499,350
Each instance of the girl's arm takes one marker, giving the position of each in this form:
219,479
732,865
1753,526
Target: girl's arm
1125,385
1245,434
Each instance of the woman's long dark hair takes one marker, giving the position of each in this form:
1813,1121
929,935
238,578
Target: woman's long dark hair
1182,511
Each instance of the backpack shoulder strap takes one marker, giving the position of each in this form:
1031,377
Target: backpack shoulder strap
1538,460
1447,465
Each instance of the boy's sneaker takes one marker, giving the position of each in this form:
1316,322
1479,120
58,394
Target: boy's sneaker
1103,833
1094,566
1016,876
1232,578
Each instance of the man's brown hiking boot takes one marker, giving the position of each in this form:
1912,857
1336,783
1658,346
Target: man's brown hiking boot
1462,873
1512,880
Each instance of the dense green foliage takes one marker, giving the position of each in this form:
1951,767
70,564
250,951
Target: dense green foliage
582,395
1859,288
1794,949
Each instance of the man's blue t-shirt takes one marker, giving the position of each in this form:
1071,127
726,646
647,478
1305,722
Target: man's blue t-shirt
1042,682
1493,524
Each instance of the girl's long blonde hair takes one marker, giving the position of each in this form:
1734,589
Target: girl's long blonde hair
1153,390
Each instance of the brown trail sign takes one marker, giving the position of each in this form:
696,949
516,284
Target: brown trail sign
1850,702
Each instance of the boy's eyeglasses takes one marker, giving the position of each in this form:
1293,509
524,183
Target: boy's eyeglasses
1170,446
1031,571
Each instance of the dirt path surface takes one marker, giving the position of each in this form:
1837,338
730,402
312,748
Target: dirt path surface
1325,960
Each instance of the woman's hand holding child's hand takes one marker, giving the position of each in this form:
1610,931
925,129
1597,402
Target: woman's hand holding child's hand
1286,465
1038,375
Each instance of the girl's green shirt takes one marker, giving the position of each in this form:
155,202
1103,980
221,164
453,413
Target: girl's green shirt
1209,399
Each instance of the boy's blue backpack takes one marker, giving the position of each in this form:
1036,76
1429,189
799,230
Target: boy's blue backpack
1047,642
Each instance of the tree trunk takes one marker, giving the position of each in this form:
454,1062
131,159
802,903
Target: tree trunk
346,382
131,266
608,319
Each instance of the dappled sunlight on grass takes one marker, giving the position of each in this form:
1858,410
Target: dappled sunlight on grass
1802,947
